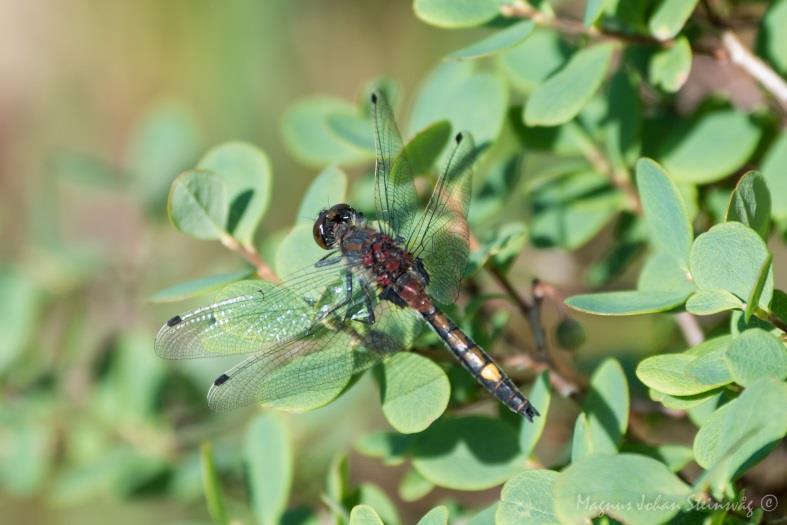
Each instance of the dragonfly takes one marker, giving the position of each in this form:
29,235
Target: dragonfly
360,304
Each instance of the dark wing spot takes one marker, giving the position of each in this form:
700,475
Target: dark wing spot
221,380
374,98
459,138
175,320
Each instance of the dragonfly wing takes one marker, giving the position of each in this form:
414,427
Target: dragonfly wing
395,196
440,235
309,372
248,316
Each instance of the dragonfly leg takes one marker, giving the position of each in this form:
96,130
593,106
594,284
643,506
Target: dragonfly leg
329,259
368,302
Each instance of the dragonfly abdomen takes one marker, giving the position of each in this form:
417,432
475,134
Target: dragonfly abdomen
480,364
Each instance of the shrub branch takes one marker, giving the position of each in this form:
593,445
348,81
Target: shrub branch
252,256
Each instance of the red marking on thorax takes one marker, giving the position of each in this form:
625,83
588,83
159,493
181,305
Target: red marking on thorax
386,261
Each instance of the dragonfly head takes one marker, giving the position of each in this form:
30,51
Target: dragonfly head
325,227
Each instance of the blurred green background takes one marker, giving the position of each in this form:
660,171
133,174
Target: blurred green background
101,106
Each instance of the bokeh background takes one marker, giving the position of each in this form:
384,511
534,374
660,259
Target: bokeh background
102,104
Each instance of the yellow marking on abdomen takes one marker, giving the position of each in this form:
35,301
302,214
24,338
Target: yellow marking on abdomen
491,373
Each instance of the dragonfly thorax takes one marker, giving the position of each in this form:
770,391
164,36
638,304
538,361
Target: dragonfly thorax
330,222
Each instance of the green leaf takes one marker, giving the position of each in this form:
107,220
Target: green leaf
540,397
452,85
308,135
197,205
436,516
528,498
197,287
622,128
606,407
390,446
268,456
774,166
756,292
563,95
663,272
773,40
467,453
631,302
755,354
712,301
353,129
327,188
665,212
750,204
27,457
212,486
128,394
364,515
675,457
530,62
730,256
709,147
376,498
297,250
246,173
414,392
495,43
593,11
503,247
570,210
619,484
669,17
743,430
453,14
484,517
581,441
337,483
778,306
687,374
670,67
425,147
18,311
414,486
166,141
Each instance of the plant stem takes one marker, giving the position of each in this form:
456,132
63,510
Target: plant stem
250,253
690,328
575,27
755,67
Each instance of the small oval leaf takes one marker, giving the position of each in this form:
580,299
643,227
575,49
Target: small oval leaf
495,43
197,205
563,95
246,173
414,392
631,302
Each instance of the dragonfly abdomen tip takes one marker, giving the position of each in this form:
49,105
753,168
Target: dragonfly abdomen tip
175,320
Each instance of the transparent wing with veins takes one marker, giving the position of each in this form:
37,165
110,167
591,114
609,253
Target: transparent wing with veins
310,371
307,338
441,233
395,197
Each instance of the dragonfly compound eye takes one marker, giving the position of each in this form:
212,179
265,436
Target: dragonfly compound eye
323,232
